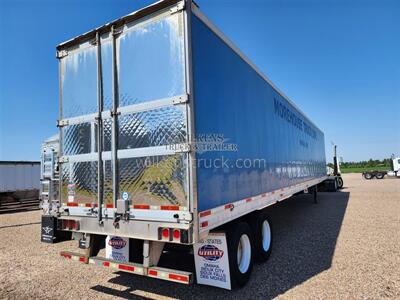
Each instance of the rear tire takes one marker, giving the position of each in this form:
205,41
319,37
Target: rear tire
262,232
339,182
240,244
368,176
379,175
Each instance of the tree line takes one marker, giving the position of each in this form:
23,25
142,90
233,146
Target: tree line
364,164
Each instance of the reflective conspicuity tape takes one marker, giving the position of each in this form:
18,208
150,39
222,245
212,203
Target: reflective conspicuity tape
126,267
161,207
74,256
155,272
205,213
214,217
76,204
167,275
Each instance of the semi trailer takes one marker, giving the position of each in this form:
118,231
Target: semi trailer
19,185
172,140
393,172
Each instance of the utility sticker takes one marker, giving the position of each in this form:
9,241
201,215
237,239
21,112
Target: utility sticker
117,248
71,192
211,260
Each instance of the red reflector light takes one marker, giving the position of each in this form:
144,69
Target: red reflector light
74,225
153,272
165,233
127,268
177,234
106,264
204,224
169,207
178,277
82,259
141,206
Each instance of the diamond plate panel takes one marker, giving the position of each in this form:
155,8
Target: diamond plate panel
76,139
157,127
108,187
155,180
107,130
79,182
79,83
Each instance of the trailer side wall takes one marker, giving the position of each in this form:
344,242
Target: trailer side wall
15,176
276,145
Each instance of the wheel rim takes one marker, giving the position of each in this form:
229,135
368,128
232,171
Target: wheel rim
244,253
266,235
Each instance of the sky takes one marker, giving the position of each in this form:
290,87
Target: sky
338,60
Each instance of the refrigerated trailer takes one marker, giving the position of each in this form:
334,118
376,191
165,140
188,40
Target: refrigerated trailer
170,138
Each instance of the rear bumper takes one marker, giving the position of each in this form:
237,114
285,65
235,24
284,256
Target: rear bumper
138,269
138,229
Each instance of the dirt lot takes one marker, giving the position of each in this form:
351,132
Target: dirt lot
346,247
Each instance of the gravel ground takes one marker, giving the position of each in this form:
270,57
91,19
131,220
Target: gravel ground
346,247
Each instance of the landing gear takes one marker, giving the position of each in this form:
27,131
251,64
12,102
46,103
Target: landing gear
313,191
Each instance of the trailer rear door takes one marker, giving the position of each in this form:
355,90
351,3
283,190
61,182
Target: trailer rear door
143,106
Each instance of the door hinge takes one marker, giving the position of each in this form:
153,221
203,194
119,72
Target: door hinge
61,53
180,99
117,32
64,159
62,123
93,42
178,7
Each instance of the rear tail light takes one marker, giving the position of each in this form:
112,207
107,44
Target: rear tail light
165,233
177,234
69,224
173,235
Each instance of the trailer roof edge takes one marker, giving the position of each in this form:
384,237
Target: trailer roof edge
138,14
19,162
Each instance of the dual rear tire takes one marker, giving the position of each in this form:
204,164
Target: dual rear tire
248,242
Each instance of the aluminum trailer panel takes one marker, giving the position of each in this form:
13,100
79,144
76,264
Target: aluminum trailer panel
269,143
126,83
19,176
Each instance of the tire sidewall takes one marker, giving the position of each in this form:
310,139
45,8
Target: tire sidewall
340,182
234,233
256,224
367,176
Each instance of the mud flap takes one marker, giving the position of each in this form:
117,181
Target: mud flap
49,232
212,261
